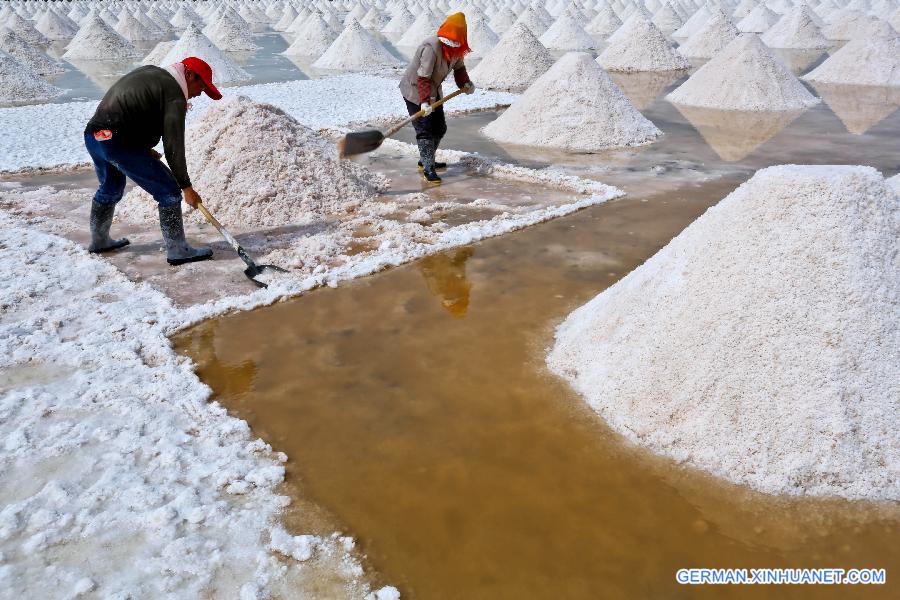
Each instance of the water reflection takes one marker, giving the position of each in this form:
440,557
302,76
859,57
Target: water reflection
643,88
103,73
445,276
732,134
798,60
859,107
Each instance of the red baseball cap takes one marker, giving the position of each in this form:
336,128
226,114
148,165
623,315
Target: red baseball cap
204,72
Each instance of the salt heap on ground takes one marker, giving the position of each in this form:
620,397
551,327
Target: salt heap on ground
761,344
133,30
640,46
796,29
194,43
481,38
24,29
356,50
567,34
744,76
714,35
667,19
313,39
98,41
232,35
19,84
425,25
55,27
291,175
693,24
516,61
39,62
159,52
401,21
759,20
532,19
604,23
574,106
863,61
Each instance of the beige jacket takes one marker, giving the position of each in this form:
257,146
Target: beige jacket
428,61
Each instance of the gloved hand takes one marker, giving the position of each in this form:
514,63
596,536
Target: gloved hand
469,88
427,108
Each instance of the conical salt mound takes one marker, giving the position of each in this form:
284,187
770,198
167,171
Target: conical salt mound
693,24
25,30
744,76
36,60
567,34
356,50
744,8
481,38
605,23
532,19
133,30
183,17
155,56
97,41
640,46
231,35
576,107
54,27
759,20
667,19
313,39
503,21
19,84
194,43
714,35
864,61
760,344
374,21
423,27
894,182
846,25
516,61
398,25
796,29
287,17
289,175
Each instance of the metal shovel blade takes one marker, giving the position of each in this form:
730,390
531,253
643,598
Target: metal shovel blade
254,270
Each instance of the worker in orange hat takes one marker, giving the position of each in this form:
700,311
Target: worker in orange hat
421,87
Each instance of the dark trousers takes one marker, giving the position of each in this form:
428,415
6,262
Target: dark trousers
432,127
113,162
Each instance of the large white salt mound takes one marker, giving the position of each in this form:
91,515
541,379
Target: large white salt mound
712,36
481,38
744,76
532,19
640,46
133,30
55,27
24,29
604,23
761,344
503,21
516,61
846,24
313,39
39,62
423,27
96,40
256,166
574,106
19,84
894,182
401,21
155,56
797,30
759,20
864,61
231,35
667,19
693,24
194,43
567,34
356,50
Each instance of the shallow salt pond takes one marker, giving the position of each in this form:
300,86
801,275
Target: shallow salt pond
418,414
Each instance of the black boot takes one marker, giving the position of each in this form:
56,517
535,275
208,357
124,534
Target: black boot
101,221
178,251
426,152
438,166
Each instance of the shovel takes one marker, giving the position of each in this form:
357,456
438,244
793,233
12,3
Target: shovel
360,142
253,269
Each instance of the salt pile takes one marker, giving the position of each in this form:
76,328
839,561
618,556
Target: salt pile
667,19
55,27
423,27
759,20
313,39
714,35
231,35
194,43
604,23
863,61
567,34
19,84
796,29
401,21
98,41
503,21
133,30
744,76
356,50
159,52
574,106
374,21
516,61
640,46
289,176
761,343
25,30
845,25
39,62
894,182
532,19
693,24
287,17
481,37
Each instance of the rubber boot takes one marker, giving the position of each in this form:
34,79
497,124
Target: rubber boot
178,251
438,166
101,221
426,152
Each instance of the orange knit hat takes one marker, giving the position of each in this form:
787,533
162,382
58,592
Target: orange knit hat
454,29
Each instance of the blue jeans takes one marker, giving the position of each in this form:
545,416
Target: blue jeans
113,162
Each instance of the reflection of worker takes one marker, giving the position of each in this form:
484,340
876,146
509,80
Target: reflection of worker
446,277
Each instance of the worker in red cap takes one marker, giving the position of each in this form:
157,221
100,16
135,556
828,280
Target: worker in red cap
145,105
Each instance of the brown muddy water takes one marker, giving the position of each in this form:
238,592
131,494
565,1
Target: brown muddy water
416,408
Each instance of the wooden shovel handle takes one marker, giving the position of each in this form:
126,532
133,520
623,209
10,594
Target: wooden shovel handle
412,118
